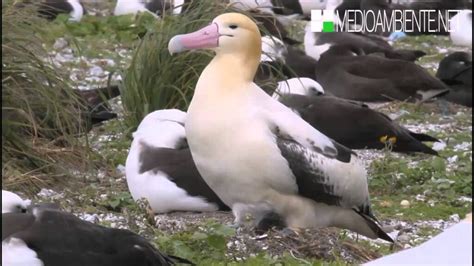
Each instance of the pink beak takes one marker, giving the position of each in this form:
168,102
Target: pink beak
207,37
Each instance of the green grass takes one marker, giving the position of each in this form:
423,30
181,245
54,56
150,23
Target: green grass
123,29
207,245
157,80
388,207
114,150
396,178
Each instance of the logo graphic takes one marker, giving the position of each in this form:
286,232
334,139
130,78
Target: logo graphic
322,20
397,20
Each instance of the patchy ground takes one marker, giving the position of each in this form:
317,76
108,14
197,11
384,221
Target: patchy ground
414,196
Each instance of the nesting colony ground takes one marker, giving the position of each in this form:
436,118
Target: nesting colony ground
436,191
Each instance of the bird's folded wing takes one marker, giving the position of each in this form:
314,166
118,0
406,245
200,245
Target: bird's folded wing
311,180
288,125
319,184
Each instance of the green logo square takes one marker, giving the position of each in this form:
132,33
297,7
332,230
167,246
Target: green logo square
328,26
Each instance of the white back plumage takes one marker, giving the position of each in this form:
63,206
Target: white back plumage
310,47
11,202
162,128
77,12
301,86
272,49
461,28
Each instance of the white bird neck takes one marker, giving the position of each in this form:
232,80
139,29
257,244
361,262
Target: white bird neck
309,44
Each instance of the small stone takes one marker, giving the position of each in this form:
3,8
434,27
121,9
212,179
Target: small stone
399,226
60,44
453,159
455,218
403,238
93,79
442,50
90,217
397,115
260,237
438,146
121,169
50,194
405,203
96,71
465,199
385,204
463,146
62,58
420,197
388,228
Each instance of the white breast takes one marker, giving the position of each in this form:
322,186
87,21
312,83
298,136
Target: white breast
234,151
16,253
77,10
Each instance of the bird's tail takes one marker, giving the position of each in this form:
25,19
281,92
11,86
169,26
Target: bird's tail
378,231
408,55
175,259
421,146
423,137
414,145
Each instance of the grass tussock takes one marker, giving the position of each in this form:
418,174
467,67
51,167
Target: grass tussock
41,115
155,79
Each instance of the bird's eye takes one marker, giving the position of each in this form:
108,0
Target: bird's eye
315,91
233,26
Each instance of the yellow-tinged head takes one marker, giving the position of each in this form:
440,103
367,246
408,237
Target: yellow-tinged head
239,34
228,33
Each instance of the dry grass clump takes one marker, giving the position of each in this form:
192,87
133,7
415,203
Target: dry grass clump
41,115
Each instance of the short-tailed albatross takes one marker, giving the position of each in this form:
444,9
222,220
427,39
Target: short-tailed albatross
233,127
